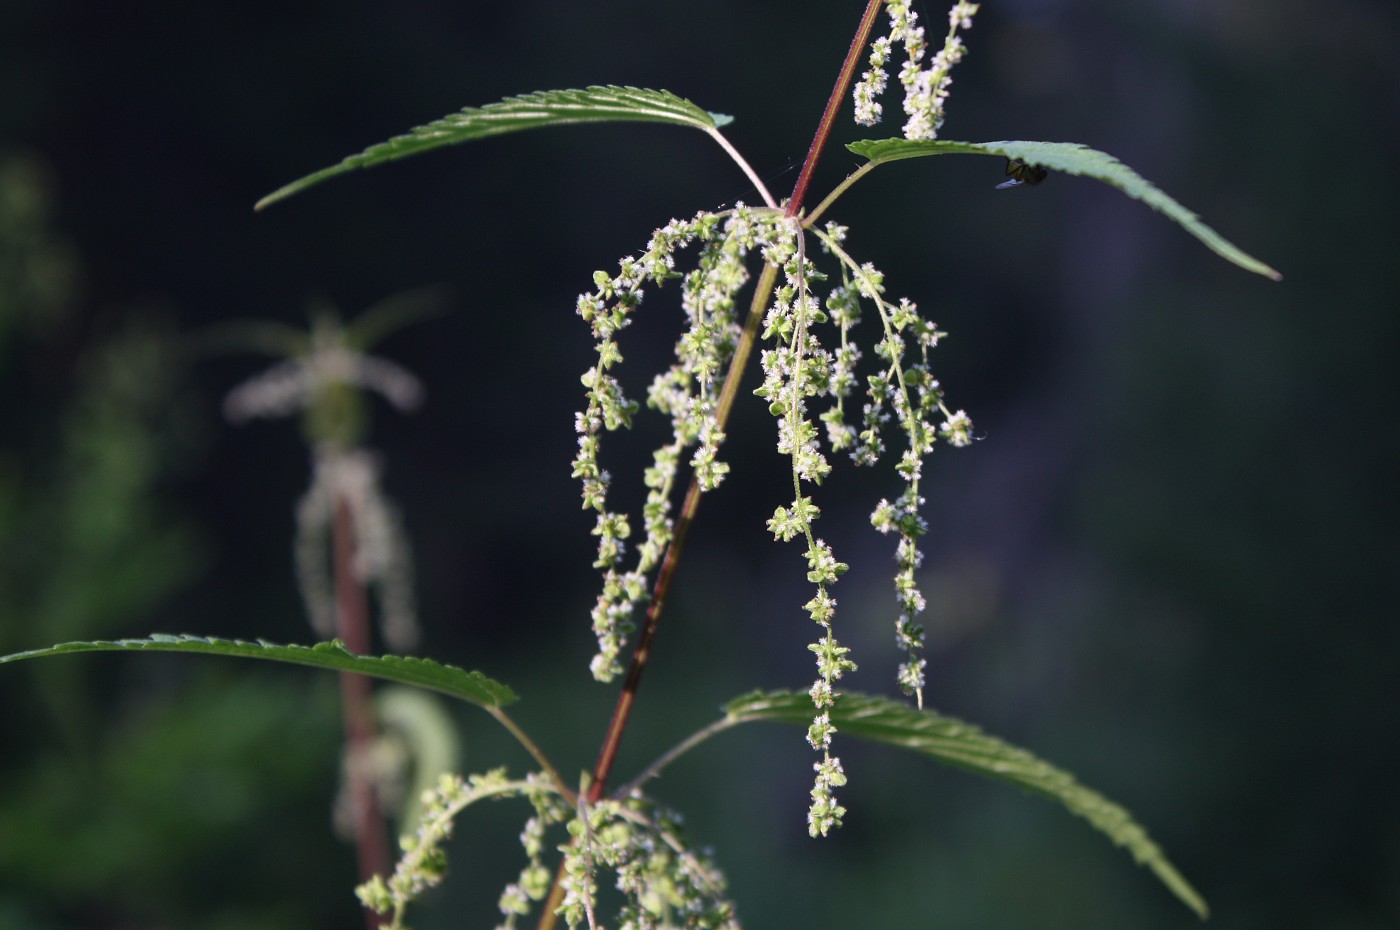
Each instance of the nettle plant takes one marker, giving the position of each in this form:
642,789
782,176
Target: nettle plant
835,389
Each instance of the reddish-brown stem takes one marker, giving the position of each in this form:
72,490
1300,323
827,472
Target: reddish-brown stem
607,754
628,696
625,699
833,105
356,704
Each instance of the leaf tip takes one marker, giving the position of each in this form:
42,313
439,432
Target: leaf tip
1250,263
270,199
301,184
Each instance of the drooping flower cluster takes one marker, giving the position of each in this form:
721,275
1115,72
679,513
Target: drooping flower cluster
872,84
925,86
799,370
687,393
902,389
328,363
424,861
664,881
324,379
382,559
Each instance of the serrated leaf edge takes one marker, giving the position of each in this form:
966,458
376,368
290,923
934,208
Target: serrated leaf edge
535,110
477,688
1115,174
986,755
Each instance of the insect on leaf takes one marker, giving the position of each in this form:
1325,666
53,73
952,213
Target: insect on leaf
1072,158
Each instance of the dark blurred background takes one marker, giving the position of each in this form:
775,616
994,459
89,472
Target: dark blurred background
1169,565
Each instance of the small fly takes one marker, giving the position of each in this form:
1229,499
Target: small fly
1019,173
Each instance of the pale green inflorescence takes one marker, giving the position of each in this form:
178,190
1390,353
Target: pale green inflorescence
796,370
902,389
424,862
872,84
382,557
925,87
318,383
664,881
687,393
799,370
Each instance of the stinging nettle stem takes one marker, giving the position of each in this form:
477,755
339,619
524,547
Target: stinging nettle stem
625,699
356,701
607,753
833,104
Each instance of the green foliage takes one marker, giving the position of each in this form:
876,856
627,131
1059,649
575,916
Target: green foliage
516,114
87,543
952,742
38,269
1072,158
472,687
422,736
424,863
100,816
163,794
795,306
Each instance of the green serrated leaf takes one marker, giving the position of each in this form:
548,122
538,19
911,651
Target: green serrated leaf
1072,158
962,745
514,114
472,687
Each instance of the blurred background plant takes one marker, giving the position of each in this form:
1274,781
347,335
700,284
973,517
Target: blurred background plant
350,542
100,823
1169,566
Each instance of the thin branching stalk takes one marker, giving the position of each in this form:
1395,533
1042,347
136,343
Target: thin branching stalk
627,697
536,753
674,753
745,167
810,221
